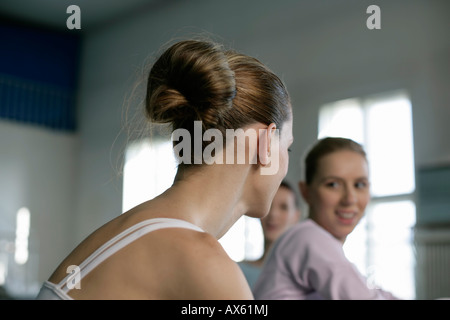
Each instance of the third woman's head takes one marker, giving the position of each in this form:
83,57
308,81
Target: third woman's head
284,213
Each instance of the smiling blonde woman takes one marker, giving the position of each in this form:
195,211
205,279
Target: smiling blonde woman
308,261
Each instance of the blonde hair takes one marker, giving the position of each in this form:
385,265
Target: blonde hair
324,147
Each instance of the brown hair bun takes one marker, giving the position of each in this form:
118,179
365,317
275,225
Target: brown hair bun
190,81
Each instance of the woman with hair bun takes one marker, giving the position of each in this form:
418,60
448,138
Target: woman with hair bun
167,247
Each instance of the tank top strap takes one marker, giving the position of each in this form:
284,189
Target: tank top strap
118,242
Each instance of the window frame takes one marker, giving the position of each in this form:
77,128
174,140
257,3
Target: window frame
364,103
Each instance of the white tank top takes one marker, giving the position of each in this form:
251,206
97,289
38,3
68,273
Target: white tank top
51,291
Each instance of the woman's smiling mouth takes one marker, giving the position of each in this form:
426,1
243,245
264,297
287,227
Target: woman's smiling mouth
346,216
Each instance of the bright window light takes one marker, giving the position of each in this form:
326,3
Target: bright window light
149,170
344,119
244,240
3,267
389,146
22,233
390,238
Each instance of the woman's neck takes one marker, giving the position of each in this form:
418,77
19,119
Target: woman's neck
313,218
209,197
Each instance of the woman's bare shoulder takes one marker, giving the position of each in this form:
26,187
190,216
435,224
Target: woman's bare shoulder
204,269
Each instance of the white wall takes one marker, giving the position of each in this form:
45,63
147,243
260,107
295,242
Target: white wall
37,170
321,49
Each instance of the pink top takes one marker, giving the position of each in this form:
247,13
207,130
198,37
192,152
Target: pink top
307,262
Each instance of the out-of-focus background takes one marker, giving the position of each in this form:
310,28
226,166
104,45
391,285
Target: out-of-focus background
70,157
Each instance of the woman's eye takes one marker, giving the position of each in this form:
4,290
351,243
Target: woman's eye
332,184
361,185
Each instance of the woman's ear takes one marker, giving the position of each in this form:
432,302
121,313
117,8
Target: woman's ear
266,137
304,190
298,214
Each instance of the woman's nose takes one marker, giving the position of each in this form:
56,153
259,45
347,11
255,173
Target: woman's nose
349,197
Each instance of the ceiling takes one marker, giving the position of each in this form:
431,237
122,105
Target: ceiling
52,13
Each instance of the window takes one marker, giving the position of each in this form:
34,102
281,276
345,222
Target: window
244,240
149,170
381,246
150,167
22,233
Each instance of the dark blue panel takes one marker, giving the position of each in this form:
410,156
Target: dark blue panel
38,76
50,57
